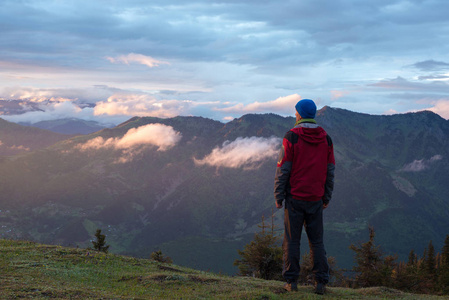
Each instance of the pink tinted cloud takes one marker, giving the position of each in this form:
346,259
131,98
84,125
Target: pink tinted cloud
137,58
32,94
441,107
141,105
283,105
336,94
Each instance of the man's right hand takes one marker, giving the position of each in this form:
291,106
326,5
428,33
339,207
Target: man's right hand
278,205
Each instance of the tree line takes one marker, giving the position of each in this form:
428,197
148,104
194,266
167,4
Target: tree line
428,274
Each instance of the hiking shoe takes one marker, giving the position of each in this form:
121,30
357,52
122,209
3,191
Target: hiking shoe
291,287
319,289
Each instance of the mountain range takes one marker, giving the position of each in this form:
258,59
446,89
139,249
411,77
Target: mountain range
68,126
16,139
197,188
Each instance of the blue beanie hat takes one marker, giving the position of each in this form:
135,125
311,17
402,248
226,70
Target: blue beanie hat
306,108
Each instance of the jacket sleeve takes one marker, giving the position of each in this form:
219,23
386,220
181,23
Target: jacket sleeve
283,169
329,185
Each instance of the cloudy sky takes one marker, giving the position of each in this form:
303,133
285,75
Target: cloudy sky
111,60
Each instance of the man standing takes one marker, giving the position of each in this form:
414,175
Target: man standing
305,180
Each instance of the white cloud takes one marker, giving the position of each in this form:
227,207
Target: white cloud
141,105
50,110
32,94
421,164
162,136
96,143
90,94
137,58
283,105
247,153
50,104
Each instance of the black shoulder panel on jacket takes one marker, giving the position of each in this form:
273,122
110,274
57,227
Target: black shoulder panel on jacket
291,137
329,140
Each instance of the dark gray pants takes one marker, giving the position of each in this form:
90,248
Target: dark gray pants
309,214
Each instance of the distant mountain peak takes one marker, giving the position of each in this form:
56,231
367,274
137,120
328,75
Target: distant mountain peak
68,126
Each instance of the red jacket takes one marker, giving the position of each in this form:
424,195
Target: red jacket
305,169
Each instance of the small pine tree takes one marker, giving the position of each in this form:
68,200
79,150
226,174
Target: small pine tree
427,272
262,257
372,268
307,277
158,256
421,262
412,259
409,278
100,243
443,276
445,253
437,261
429,263
387,270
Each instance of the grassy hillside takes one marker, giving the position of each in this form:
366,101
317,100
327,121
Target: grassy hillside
31,270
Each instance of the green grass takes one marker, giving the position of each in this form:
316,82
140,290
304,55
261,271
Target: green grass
31,270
